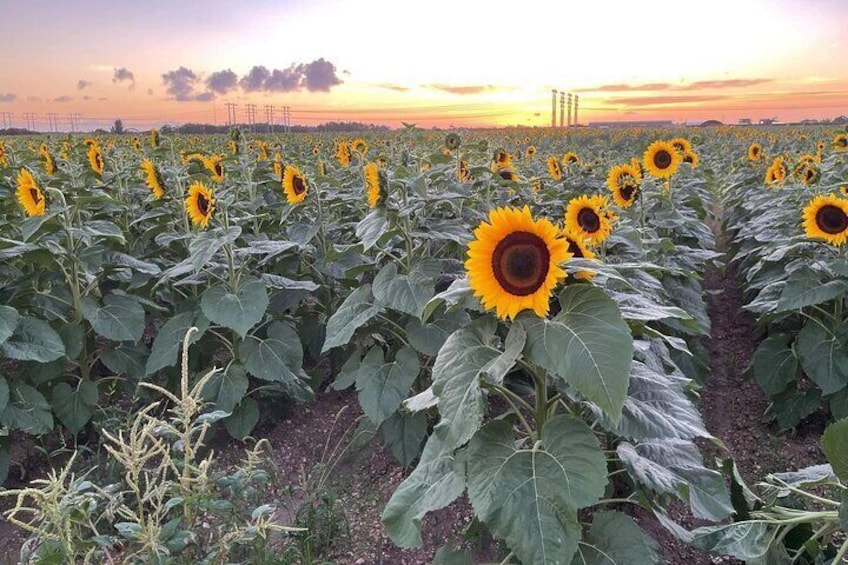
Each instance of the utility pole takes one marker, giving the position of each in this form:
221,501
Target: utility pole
52,124
569,109
269,117
231,113
71,122
576,104
7,119
287,118
251,115
30,120
553,108
77,120
561,108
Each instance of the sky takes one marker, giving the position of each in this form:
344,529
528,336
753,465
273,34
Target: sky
440,63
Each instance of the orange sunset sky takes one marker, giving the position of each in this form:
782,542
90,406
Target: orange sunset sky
436,63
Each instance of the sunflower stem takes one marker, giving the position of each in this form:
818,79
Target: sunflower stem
511,399
541,382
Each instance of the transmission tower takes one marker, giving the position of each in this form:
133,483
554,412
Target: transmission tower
269,117
231,113
250,110
576,104
553,108
7,119
30,120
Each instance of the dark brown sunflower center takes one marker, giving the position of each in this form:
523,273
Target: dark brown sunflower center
36,196
842,142
506,175
831,219
572,159
203,204
755,151
219,169
521,262
662,159
810,174
627,191
298,185
588,220
574,249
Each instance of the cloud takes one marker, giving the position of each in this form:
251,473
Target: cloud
222,81
730,83
661,100
102,99
86,97
661,86
83,84
33,99
9,97
150,92
319,75
287,80
395,87
255,79
62,99
462,90
123,74
180,84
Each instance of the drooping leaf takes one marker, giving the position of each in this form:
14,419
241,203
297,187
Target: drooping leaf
240,310
166,347
372,227
824,357
616,539
243,419
276,358
803,289
33,340
406,293
835,447
774,364
227,388
356,310
587,344
27,410
403,434
383,385
120,318
8,321
75,405
429,338
127,358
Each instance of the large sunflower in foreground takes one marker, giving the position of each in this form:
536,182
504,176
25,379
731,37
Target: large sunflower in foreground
200,204
755,151
661,159
840,142
152,178
95,159
514,262
579,251
826,217
294,185
375,185
623,181
215,167
29,194
586,218
554,169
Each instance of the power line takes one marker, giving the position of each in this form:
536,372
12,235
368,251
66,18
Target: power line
251,115
231,113
7,119
269,116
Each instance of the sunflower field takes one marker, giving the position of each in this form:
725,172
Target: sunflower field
519,313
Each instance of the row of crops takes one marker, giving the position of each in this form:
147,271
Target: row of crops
520,313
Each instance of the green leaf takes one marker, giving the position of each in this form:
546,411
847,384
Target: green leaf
4,396
823,357
243,419
433,484
403,434
458,294
227,388
456,380
356,310
75,406
372,227
774,364
673,466
743,540
124,260
530,497
406,293
616,539
383,385
8,321
587,344
127,359
238,311
791,406
803,289
277,358
33,340
27,411
206,244
429,338
120,318
169,341
835,447
449,556
73,337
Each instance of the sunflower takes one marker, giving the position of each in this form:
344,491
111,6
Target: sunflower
554,169
692,158
682,145
95,159
661,159
585,218
462,173
3,159
215,167
200,204
826,217
263,151
452,141
234,148
322,168
343,154
29,195
840,142
376,184
755,151
152,178
507,174
636,167
316,151
776,173
501,160
530,152
359,145
843,191
49,161
294,185
579,251
89,141
154,138
278,166
808,174
514,262
425,166
622,181
570,158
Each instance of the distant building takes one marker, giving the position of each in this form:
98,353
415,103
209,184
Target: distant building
840,121
711,123
633,124
767,121
744,121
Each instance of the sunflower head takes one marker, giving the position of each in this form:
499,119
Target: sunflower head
682,145
661,159
826,217
95,158
585,218
29,195
215,167
359,146
136,144
570,158
507,174
425,166
501,159
463,173
294,185
579,250
452,141
200,204
692,158
514,262
152,178
776,173
553,168
809,174
755,151
3,160
154,138
343,154
530,152
322,168
623,181
840,142
376,185
316,151
49,161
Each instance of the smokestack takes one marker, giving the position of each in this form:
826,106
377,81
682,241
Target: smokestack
569,109
553,108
